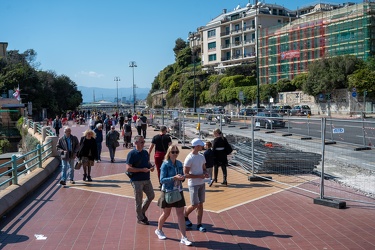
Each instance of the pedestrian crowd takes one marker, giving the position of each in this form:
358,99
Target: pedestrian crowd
172,173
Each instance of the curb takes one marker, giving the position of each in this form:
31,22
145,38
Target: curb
14,194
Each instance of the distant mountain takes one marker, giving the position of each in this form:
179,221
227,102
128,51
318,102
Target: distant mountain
124,94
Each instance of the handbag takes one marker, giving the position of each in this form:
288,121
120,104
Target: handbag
228,148
173,196
117,144
78,165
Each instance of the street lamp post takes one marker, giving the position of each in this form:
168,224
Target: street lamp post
162,105
117,79
195,94
133,64
257,6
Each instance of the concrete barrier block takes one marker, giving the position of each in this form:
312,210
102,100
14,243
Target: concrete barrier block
10,197
14,194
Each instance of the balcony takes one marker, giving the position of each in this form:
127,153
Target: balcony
237,43
225,33
251,54
239,56
249,41
236,31
223,59
226,46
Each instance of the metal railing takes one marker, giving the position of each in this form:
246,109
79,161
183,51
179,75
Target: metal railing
20,165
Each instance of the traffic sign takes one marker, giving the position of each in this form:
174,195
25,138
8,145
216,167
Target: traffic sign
354,94
338,130
354,90
240,96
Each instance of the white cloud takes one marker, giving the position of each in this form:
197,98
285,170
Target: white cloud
91,74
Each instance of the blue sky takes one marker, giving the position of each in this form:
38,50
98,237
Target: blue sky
93,41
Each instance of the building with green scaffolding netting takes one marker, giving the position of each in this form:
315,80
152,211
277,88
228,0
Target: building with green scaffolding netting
325,31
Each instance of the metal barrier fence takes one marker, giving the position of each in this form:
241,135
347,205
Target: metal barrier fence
17,166
329,157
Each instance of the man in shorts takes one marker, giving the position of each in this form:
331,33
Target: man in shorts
195,171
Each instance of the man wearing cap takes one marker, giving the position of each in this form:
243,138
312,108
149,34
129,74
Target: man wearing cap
161,142
195,171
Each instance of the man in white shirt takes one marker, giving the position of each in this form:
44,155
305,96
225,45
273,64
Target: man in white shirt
195,171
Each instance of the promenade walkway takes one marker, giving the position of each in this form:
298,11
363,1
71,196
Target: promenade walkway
243,215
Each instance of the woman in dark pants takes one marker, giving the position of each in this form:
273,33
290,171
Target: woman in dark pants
220,155
88,153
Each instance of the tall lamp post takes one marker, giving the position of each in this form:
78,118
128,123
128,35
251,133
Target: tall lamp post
257,6
195,94
117,79
133,64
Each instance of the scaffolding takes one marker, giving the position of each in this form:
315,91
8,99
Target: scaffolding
286,50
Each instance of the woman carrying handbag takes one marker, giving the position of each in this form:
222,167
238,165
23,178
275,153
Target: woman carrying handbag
171,178
88,153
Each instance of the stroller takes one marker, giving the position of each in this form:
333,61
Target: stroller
127,136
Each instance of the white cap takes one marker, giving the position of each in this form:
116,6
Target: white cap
197,142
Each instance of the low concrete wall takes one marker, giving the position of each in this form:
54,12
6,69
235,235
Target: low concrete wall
14,194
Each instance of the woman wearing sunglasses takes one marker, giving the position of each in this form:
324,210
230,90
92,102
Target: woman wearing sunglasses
171,178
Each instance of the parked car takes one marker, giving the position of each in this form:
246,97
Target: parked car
247,112
300,110
225,119
269,120
219,110
209,114
256,110
283,109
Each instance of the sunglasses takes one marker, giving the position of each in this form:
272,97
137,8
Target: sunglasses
141,142
175,152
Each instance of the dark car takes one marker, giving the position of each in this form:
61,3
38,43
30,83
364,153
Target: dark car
218,110
283,109
247,112
269,120
300,110
256,110
209,114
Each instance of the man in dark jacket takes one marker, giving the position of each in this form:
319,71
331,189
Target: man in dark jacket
67,146
99,139
56,124
112,143
143,125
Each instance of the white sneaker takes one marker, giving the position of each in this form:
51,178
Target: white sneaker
185,241
160,234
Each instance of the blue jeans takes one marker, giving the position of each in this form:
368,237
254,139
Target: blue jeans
140,187
112,151
99,147
67,169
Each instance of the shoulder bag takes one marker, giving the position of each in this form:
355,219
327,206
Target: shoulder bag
174,195
228,148
78,164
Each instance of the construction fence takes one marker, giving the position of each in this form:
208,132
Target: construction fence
330,158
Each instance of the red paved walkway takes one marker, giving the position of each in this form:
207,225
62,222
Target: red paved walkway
72,218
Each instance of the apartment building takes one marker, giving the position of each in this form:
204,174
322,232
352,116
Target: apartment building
288,40
322,30
230,38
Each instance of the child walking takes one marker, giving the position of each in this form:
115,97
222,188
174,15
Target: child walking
209,156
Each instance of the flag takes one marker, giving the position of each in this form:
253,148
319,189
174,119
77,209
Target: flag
17,94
